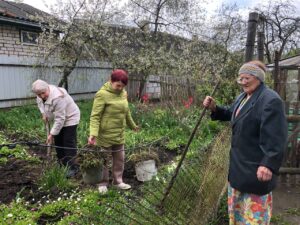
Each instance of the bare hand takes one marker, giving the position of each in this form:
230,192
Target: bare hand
209,103
92,140
264,173
49,139
137,129
44,117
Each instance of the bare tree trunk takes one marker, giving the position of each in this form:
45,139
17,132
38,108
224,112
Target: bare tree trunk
260,45
66,73
276,71
143,82
252,25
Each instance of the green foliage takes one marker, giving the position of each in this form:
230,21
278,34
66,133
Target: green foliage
16,214
83,127
24,122
160,127
18,153
221,217
143,155
54,211
91,159
55,178
291,53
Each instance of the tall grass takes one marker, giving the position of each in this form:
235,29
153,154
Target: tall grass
55,178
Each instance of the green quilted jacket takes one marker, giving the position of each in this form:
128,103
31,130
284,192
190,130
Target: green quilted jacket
109,116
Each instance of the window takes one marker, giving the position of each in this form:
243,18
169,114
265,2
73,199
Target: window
29,37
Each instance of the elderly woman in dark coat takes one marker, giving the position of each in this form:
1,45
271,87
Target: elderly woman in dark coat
259,135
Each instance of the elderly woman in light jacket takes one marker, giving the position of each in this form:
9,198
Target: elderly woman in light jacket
56,105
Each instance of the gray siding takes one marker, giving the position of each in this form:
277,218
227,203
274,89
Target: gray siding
18,73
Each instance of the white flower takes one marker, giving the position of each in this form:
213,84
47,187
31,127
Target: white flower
10,215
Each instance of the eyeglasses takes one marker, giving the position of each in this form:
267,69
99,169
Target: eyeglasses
240,79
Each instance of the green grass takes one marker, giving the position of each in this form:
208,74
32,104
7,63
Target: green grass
55,178
162,127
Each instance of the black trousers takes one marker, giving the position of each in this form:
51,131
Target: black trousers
67,137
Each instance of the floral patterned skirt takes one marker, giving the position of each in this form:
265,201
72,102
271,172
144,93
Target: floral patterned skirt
248,209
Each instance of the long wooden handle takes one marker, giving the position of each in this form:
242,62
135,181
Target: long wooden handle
47,127
168,189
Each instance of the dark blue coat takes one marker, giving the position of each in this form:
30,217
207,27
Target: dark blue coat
259,136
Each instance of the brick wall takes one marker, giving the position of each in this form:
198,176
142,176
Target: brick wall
153,88
10,43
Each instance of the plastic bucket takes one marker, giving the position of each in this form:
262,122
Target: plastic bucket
92,175
145,170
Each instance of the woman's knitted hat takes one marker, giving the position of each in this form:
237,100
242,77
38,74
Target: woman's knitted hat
254,70
39,86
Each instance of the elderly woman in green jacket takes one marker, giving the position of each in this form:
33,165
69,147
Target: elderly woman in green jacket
109,117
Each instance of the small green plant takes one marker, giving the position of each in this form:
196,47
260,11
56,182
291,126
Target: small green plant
55,178
16,213
18,153
92,158
143,155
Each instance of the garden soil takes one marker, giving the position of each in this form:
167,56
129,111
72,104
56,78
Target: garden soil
286,199
19,178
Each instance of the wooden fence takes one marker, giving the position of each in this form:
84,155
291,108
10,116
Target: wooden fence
163,89
292,154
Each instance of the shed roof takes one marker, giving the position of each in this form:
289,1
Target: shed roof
19,13
288,63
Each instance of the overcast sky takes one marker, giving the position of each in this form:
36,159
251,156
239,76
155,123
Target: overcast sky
212,5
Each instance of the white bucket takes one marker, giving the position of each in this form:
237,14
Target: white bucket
145,170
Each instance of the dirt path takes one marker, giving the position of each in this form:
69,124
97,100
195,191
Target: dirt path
286,208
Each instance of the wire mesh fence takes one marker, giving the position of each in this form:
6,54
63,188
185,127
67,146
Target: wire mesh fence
193,198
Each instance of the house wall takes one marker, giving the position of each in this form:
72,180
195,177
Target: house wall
18,72
20,65
10,42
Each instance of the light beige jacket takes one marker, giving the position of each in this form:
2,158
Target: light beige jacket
59,108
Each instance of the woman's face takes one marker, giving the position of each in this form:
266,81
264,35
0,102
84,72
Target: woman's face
43,94
248,82
117,85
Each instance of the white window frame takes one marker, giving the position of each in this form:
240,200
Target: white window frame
29,32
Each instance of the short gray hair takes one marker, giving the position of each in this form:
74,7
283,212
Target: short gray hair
39,86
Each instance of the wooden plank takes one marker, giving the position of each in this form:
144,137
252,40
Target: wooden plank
289,170
293,118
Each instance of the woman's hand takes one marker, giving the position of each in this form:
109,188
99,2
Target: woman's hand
92,140
44,118
209,103
49,139
264,173
137,129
